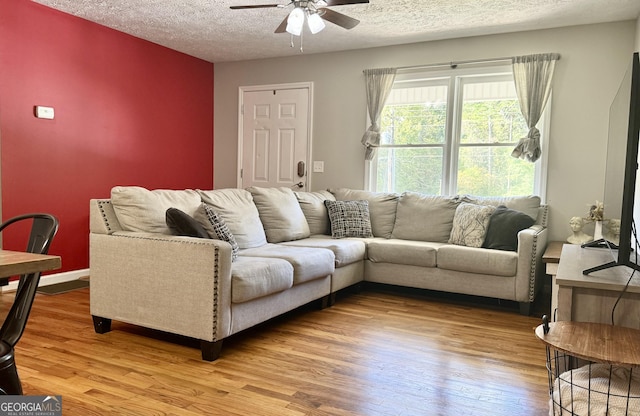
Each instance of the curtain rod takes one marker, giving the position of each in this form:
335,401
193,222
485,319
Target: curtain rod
454,64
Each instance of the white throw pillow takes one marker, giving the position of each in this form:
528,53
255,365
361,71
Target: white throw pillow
280,213
470,224
139,209
238,211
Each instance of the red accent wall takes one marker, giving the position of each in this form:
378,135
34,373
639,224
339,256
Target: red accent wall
127,112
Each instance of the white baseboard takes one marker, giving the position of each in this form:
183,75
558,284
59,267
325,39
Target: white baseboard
51,279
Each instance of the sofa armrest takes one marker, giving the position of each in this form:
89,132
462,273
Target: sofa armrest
180,285
531,245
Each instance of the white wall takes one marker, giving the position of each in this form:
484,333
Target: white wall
593,62
638,34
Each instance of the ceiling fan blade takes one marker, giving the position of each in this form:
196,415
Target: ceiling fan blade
283,26
344,2
255,6
339,19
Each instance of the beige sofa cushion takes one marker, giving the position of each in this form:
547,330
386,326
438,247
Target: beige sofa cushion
382,208
312,205
424,217
254,277
240,214
412,253
478,260
345,250
139,209
529,204
280,214
308,263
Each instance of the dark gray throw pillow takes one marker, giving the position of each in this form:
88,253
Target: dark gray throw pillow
504,226
181,223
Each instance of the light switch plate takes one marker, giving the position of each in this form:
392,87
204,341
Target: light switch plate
318,166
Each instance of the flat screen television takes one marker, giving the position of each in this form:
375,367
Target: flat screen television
621,203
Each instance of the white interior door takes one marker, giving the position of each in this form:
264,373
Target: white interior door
275,130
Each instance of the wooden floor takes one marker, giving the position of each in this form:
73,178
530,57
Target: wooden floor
372,353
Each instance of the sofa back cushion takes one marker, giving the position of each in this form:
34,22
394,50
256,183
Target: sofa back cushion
312,205
529,204
238,211
139,209
422,217
280,213
382,208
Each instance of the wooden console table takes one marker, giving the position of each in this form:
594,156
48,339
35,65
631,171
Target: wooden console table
591,298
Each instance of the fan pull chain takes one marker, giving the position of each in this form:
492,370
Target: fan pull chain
292,44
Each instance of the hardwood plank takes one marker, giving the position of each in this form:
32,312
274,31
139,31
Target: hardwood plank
372,353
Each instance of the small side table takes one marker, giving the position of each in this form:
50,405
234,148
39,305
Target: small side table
551,259
607,383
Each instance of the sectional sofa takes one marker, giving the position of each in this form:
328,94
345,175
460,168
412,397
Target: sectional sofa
209,264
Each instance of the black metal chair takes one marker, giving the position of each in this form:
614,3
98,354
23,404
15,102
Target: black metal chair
43,228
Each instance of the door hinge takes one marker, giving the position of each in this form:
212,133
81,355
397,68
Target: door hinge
242,109
241,172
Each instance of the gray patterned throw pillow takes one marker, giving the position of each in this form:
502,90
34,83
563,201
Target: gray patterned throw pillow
217,228
349,218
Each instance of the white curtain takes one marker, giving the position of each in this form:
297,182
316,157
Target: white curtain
532,75
379,83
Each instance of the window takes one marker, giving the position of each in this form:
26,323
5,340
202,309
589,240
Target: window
453,133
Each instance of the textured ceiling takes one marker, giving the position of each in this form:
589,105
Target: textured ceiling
208,29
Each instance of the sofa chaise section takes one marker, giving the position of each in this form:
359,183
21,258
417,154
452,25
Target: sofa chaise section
190,286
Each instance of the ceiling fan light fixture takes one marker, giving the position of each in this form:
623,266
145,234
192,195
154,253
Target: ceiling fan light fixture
316,24
295,21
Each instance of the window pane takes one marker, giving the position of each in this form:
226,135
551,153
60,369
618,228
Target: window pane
491,113
492,171
410,169
415,116
461,122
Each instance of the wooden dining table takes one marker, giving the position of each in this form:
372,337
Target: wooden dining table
14,263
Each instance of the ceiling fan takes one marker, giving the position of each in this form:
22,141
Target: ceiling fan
315,12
